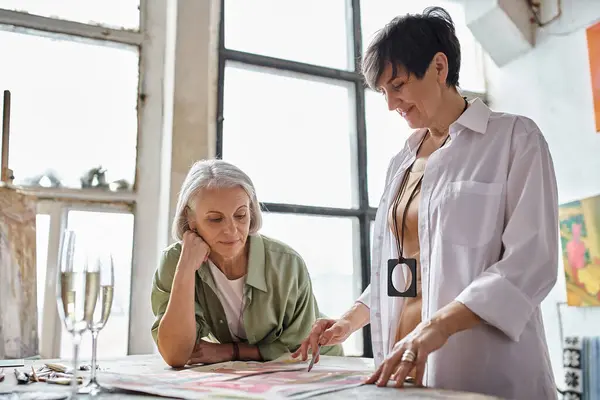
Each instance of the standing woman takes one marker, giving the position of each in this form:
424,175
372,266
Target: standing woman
471,207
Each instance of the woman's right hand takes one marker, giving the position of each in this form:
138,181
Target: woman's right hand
324,332
194,250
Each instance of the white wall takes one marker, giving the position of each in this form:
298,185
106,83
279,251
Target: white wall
552,85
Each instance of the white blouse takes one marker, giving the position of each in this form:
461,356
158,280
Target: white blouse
488,234
231,295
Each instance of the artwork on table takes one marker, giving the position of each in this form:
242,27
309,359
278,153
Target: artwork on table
580,241
593,42
18,297
248,380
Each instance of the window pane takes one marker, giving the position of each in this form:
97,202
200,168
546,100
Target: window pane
73,108
387,132
376,13
293,135
292,30
111,13
42,230
329,247
114,231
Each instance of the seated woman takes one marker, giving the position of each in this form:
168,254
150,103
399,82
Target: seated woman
224,292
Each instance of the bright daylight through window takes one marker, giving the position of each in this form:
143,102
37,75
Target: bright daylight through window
73,75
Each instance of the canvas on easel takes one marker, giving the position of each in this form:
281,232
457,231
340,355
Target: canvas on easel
18,296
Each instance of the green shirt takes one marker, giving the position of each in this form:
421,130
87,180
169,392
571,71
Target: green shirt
280,306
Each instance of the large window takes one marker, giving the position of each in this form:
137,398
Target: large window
84,97
293,112
73,71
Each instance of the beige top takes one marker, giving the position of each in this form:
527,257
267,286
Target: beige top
411,312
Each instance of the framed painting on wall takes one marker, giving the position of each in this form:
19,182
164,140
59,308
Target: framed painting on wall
580,241
593,43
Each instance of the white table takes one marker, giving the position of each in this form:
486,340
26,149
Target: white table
153,363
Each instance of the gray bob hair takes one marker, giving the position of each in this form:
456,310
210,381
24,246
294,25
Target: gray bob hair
213,174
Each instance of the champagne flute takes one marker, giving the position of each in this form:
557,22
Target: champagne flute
77,289
105,264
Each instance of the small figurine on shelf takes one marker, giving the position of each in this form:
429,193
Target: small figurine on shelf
48,179
119,185
94,178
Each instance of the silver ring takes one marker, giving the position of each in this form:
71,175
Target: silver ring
408,356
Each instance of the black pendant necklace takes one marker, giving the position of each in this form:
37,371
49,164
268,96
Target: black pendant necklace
411,263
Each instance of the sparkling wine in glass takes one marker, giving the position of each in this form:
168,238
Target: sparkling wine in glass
77,287
105,264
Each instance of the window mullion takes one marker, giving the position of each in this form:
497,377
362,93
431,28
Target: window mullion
51,324
17,21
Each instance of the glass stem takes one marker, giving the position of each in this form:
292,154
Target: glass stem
94,348
75,380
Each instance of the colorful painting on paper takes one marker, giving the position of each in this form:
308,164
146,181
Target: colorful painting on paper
580,240
270,384
593,41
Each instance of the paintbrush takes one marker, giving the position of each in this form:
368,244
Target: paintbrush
314,358
59,368
60,381
42,372
34,377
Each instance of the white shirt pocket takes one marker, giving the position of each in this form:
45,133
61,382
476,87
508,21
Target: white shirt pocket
469,212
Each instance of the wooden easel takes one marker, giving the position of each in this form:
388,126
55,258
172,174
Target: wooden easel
18,288
6,174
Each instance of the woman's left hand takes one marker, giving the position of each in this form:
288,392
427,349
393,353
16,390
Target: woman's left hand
426,338
211,353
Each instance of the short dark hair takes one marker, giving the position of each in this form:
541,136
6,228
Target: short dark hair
411,41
